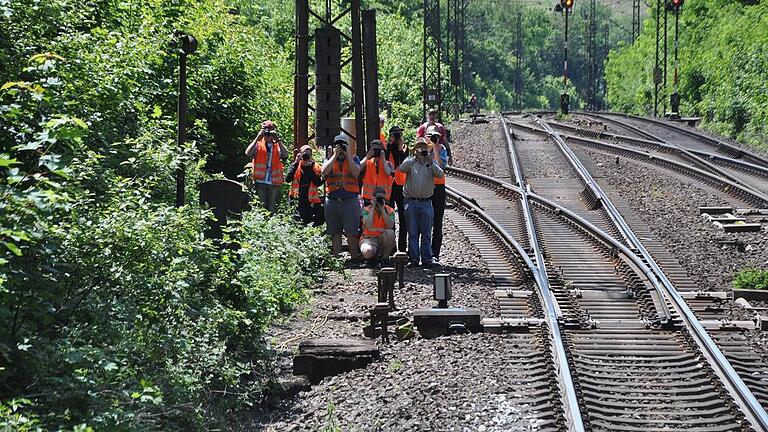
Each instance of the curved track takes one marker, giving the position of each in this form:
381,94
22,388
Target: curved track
649,365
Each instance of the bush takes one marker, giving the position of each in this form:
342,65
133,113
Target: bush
751,278
117,314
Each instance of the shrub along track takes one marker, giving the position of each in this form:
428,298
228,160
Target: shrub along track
600,281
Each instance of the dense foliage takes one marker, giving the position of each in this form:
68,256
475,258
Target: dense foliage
723,57
116,313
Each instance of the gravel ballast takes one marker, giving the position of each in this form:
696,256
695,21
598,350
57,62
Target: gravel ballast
419,384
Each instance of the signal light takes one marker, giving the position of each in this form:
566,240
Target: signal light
675,4
566,4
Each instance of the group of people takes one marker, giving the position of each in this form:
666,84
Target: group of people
363,198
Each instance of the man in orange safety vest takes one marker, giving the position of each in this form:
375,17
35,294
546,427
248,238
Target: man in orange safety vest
267,153
376,171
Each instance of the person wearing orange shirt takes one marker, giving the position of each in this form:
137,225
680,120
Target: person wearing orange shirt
267,153
378,239
304,177
342,189
375,171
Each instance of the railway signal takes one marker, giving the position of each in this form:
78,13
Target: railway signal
565,6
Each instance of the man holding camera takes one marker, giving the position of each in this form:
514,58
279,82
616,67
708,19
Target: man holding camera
304,176
421,170
376,172
421,131
396,153
342,205
378,240
267,152
438,198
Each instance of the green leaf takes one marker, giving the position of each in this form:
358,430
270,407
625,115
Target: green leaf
4,162
13,248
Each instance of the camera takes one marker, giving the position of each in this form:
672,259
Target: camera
342,146
270,133
305,156
376,152
397,135
380,200
424,152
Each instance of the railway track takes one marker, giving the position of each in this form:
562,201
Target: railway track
747,184
638,356
725,160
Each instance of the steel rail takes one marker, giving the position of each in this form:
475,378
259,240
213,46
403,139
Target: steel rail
595,233
744,398
552,315
748,194
698,135
693,157
739,164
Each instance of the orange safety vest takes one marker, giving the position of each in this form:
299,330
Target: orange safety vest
440,180
312,195
260,163
375,177
341,179
383,139
379,224
400,177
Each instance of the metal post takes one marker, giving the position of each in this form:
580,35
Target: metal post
674,100
635,20
564,102
518,60
358,79
182,128
301,77
656,68
431,78
187,45
664,84
371,76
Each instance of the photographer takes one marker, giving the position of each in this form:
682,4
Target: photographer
396,153
378,240
376,171
421,171
342,205
438,199
267,151
421,131
304,176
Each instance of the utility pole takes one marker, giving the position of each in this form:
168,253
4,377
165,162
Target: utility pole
431,58
186,45
453,44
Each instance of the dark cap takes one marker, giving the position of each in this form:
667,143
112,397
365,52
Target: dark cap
395,128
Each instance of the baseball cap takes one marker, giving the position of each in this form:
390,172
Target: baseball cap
432,131
340,138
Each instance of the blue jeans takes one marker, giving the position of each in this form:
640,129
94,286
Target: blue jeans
418,219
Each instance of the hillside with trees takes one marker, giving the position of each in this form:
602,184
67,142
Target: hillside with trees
723,59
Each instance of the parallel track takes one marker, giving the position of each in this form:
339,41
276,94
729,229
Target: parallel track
602,279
